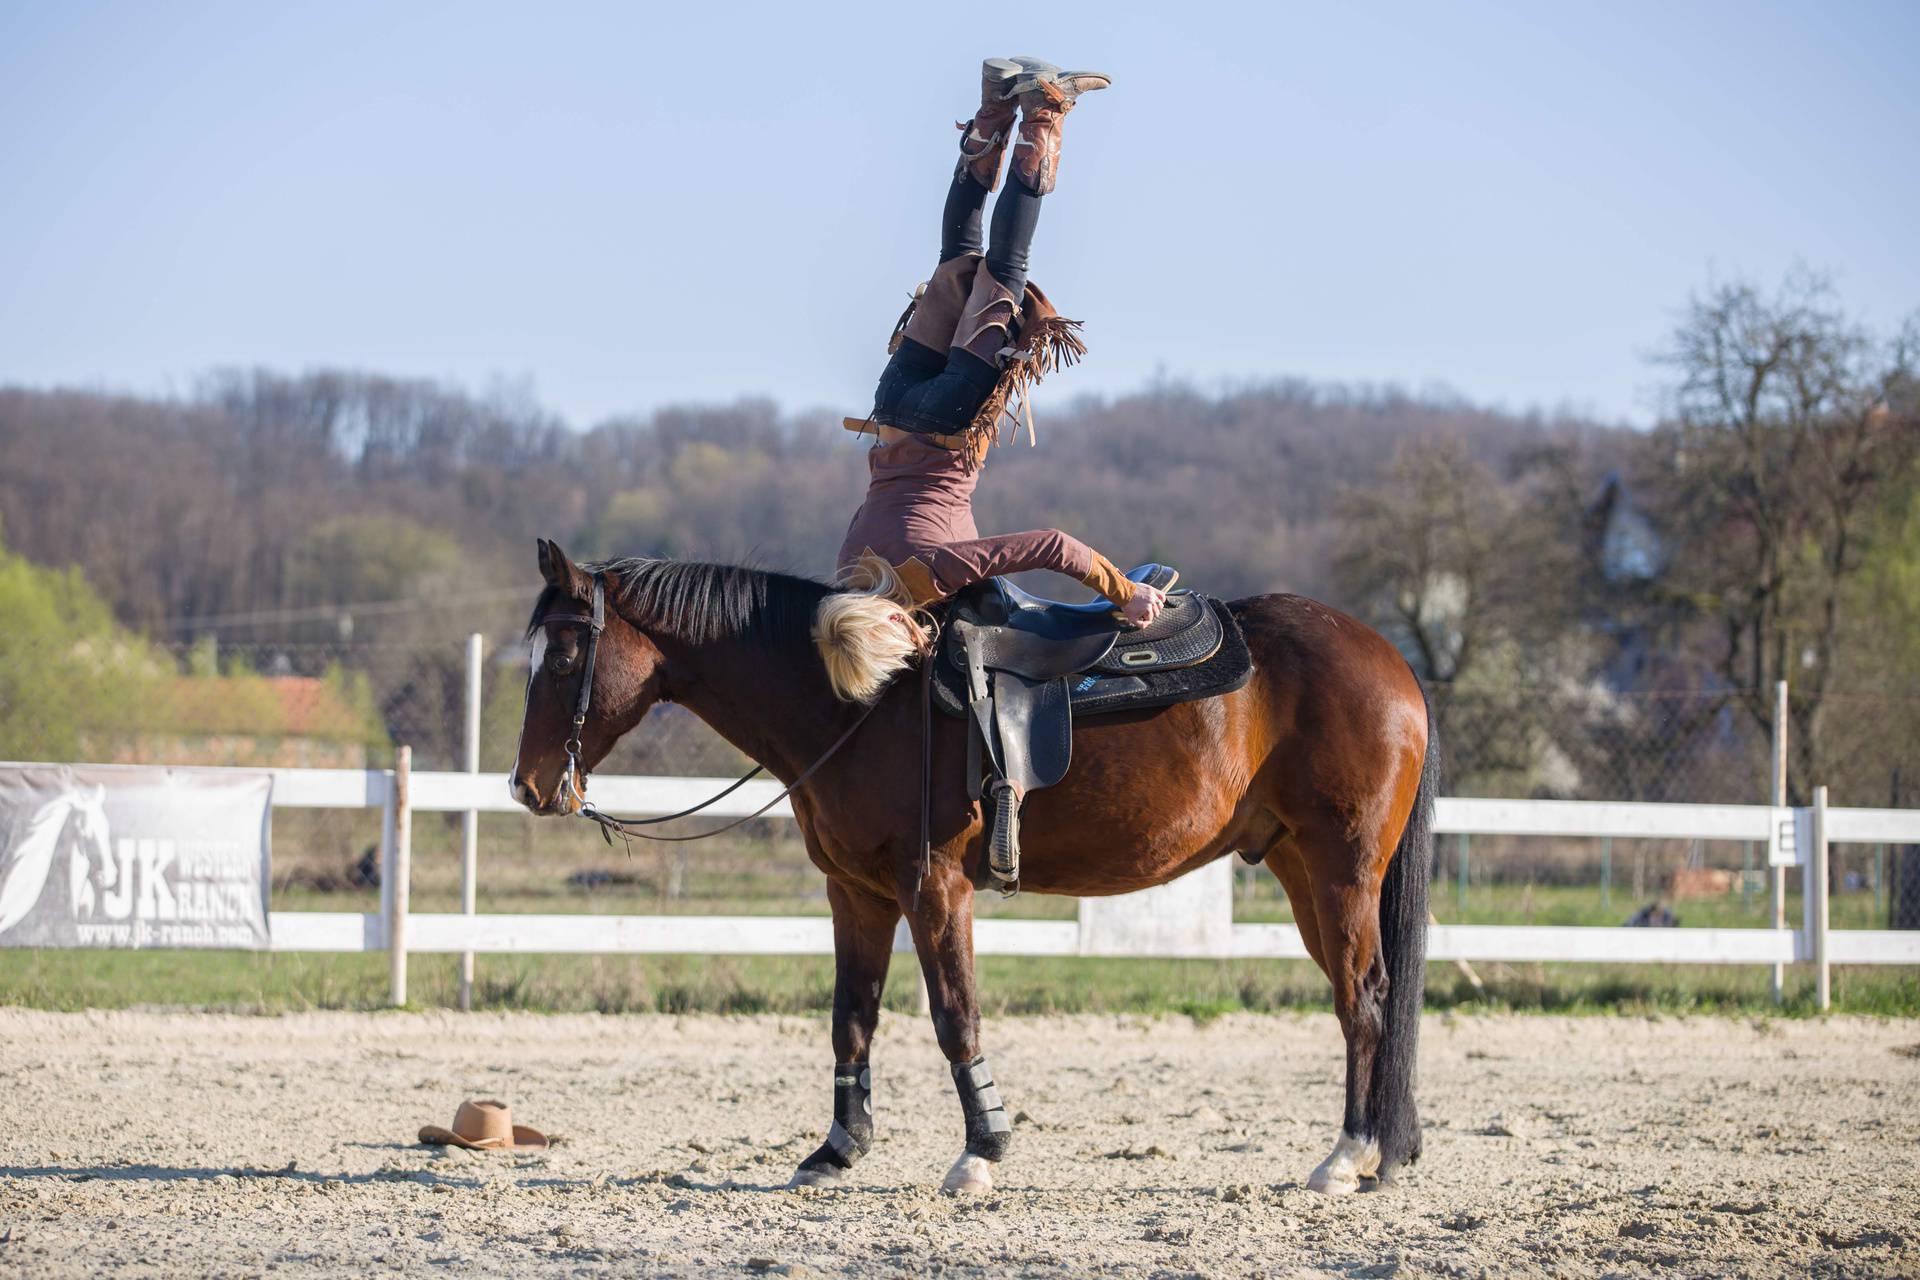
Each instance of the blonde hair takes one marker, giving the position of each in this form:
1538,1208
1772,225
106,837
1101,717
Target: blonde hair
868,630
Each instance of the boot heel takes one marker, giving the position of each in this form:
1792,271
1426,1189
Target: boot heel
999,73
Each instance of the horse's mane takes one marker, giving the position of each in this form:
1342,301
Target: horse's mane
700,603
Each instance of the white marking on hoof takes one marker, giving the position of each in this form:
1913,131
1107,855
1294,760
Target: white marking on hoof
971,1175
824,1175
1340,1173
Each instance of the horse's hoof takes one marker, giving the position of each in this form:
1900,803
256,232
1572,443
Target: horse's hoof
819,1175
1351,1160
971,1175
1329,1182
1388,1180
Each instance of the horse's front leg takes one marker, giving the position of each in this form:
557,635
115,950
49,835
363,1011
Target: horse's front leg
943,937
862,945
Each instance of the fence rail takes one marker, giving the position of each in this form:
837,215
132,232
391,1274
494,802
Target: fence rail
1190,919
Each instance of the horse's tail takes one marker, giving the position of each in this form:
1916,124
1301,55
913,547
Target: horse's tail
867,631
1403,938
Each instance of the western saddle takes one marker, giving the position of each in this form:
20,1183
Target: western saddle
1024,660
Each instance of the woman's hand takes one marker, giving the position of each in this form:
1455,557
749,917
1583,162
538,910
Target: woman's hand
1144,605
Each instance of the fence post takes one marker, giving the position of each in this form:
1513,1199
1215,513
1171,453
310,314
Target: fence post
397,874
1778,875
1462,874
384,869
1879,875
470,821
1606,873
1814,889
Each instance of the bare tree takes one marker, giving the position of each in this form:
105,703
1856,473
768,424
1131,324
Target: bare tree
1452,562
1788,421
1475,579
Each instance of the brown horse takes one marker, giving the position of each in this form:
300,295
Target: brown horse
1319,765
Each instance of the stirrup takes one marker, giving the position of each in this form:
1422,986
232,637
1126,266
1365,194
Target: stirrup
1003,849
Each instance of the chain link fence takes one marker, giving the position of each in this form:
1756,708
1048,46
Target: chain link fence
1700,747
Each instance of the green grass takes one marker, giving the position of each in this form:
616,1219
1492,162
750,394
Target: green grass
250,982
1583,904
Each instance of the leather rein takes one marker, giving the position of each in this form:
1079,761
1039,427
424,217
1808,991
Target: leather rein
625,827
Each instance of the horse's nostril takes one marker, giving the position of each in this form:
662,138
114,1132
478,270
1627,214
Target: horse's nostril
522,794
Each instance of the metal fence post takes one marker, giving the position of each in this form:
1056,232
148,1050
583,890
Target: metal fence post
1879,875
1462,872
1814,888
470,821
1606,873
1778,875
397,874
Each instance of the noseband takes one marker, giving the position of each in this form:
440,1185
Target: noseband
610,825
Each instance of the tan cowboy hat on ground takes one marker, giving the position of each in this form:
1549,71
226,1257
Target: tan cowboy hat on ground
485,1126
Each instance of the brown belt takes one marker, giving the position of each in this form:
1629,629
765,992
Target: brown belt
893,435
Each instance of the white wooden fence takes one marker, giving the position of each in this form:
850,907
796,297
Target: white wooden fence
1190,918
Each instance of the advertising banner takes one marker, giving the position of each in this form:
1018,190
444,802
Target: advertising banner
116,856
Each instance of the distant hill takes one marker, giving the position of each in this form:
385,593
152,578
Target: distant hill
258,493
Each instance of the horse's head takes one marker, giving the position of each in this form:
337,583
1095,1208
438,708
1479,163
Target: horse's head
89,826
626,680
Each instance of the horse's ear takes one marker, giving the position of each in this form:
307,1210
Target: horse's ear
562,573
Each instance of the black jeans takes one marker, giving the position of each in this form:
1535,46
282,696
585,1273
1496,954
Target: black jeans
938,392
1015,215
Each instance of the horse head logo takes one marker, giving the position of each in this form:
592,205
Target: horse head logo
91,852
76,819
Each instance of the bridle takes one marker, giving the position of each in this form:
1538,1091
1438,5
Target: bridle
624,827
596,623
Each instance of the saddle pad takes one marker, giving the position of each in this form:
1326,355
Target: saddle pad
1098,692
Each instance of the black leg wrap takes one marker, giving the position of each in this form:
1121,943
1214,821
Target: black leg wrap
852,1133
989,1132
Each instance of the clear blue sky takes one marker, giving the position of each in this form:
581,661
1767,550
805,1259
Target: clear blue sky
627,205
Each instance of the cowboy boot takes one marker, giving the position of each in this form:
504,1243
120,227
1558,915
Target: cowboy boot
983,139
1045,94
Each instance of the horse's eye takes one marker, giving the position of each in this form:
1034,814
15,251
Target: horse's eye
560,664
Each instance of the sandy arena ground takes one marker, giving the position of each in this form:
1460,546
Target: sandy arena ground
162,1143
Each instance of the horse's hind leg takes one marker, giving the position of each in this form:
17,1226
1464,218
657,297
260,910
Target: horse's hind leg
1338,953
1346,909
862,946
